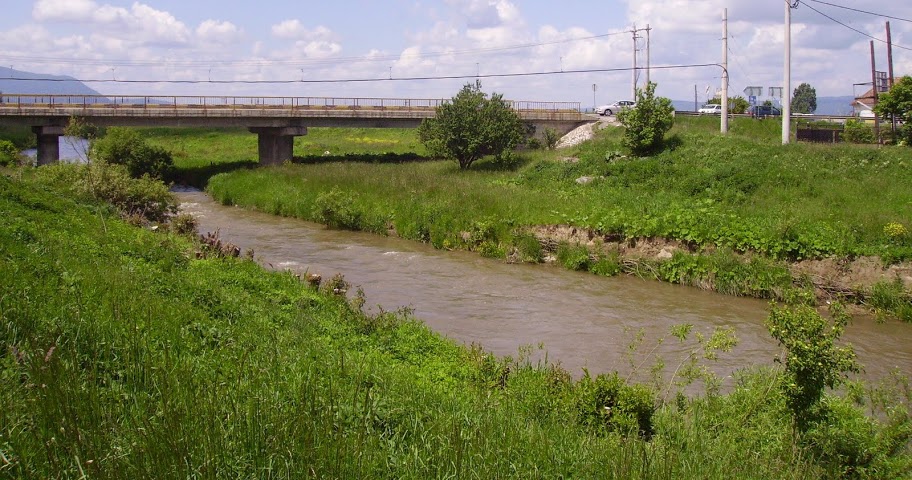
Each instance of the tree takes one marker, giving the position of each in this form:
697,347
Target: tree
124,146
646,124
471,126
805,99
735,104
897,105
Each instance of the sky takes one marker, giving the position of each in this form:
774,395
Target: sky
317,47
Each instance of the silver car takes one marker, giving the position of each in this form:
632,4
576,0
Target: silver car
615,107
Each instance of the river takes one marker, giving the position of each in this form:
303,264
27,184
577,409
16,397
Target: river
582,320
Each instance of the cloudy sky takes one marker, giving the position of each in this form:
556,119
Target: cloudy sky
308,42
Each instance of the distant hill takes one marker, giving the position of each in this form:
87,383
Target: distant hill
17,81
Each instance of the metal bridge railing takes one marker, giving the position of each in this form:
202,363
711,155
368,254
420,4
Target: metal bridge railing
88,102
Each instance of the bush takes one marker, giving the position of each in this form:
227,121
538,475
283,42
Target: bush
9,154
608,402
857,131
143,198
646,124
337,210
123,146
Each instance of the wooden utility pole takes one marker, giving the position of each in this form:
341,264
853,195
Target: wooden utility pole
787,94
890,78
874,92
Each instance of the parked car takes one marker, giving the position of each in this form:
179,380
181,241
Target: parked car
763,111
615,107
711,109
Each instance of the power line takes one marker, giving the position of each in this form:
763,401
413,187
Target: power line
297,63
861,11
853,28
365,80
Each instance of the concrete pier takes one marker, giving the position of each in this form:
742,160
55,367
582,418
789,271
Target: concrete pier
276,144
48,143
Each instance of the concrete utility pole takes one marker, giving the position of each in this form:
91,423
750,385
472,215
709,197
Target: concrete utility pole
634,97
647,55
724,126
787,94
874,91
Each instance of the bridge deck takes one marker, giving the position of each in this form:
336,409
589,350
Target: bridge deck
37,106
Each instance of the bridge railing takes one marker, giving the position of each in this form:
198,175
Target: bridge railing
87,102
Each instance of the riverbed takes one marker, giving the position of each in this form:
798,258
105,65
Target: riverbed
580,320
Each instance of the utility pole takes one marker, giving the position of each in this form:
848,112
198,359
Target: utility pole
695,98
647,55
634,63
787,94
890,77
874,92
724,126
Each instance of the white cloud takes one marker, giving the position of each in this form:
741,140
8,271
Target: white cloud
294,29
218,32
67,10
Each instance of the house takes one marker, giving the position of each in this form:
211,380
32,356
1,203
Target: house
863,106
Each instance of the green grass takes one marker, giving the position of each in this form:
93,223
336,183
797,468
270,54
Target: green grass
123,354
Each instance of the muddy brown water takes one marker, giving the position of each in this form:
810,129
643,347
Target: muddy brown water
581,320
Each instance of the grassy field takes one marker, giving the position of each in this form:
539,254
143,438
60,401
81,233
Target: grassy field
132,353
723,196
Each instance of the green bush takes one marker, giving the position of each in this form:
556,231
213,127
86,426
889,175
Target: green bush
573,256
608,402
856,131
124,146
646,124
9,154
337,209
144,197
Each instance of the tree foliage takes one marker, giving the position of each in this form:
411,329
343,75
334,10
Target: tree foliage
9,154
471,126
646,124
804,99
897,105
124,146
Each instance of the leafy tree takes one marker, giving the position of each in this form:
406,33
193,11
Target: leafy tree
897,105
471,126
735,104
804,99
646,124
124,146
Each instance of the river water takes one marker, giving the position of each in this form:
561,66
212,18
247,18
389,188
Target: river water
582,320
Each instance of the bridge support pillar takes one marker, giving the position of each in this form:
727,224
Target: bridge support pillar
276,144
48,143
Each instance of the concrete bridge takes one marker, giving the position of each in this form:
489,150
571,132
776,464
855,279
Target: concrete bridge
276,120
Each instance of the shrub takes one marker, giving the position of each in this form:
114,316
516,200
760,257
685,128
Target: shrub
646,124
551,137
813,362
857,131
608,402
123,146
9,154
337,210
144,197
573,257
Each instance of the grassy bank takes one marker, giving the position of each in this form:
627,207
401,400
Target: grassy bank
128,353
720,198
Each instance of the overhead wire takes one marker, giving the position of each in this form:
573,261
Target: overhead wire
852,28
376,79
861,11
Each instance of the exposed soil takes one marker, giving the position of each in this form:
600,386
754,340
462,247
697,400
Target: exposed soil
830,275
